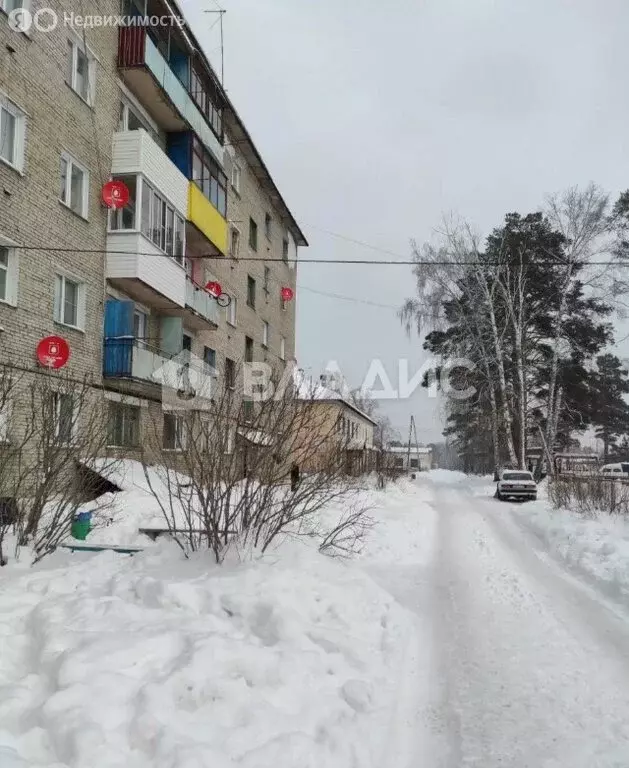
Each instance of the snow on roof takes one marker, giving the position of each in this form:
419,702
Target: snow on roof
404,449
309,389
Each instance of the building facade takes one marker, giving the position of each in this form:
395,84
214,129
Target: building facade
141,105
405,459
333,425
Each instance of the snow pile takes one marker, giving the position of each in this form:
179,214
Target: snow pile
597,546
154,661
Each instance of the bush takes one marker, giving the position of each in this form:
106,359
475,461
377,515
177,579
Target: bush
589,495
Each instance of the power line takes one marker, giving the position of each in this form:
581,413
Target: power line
353,240
357,262
347,298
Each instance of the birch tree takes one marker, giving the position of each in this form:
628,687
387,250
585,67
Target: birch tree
456,285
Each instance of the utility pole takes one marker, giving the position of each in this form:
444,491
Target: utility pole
412,430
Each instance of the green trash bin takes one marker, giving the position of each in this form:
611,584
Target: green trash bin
81,526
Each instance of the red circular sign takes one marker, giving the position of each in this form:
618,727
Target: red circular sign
214,288
53,352
115,194
287,294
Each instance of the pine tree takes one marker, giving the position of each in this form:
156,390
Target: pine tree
609,410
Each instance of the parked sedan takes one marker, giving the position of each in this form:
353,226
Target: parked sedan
619,470
516,484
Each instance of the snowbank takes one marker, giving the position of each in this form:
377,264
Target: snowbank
597,546
154,661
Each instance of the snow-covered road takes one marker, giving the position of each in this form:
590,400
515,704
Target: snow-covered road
529,665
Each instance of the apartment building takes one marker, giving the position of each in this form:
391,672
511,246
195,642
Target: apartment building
333,422
140,105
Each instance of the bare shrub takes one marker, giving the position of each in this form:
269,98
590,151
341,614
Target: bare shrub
12,454
232,475
589,495
66,448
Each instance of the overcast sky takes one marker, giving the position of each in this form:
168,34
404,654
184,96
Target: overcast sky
375,118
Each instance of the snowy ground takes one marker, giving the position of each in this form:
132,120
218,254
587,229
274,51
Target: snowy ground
469,633
292,660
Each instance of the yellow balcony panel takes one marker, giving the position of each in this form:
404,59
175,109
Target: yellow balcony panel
207,219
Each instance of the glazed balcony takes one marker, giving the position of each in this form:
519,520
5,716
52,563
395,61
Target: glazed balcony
149,75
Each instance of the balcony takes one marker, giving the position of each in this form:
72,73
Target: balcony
136,152
144,272
149,76
134,263
204,306
207,220
144,368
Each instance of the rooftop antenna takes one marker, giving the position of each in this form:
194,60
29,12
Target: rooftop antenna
221,12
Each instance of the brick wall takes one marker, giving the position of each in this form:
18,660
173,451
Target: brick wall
229,341
33,75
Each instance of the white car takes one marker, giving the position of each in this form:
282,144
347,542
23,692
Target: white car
619,470
516,484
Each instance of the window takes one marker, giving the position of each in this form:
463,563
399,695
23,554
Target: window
124,425
140,326
81,74
236,177
5,420
4,272
174,435
161,224
414,464
187,342
124,218
207,96
247,410
8,274
74,185
282,348
230,373
231,311
265,334
285,250
12,133
267,225
234,243
209,357
132,120
253,235
248,350
69,306
251,292
267,279
64,417
208,176
12,5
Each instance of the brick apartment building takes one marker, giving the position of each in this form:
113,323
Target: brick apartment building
125,289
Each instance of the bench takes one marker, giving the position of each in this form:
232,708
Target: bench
101,548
